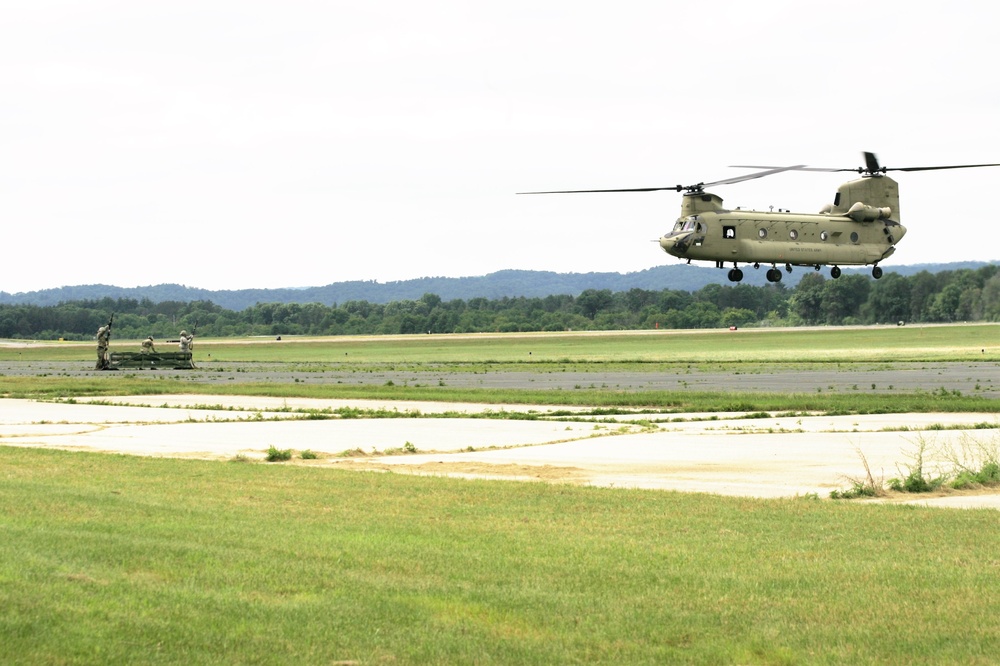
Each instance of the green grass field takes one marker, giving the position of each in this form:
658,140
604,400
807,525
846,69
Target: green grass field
114,559
108,559
815,345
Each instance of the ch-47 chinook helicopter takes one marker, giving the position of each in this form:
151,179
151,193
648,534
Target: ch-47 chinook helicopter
861,227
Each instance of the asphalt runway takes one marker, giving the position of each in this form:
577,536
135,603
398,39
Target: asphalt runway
970,378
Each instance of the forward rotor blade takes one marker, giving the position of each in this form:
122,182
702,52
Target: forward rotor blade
795,168
760,174
677,188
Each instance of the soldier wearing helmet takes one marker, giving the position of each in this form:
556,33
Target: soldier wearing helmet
187,344
103,342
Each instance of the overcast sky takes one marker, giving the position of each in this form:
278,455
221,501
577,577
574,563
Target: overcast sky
230,144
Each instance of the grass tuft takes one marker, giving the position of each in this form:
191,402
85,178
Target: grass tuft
278,455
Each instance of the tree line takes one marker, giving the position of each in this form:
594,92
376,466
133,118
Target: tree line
947,296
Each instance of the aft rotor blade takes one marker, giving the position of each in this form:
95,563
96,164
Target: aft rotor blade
879,169
871,163
871,166
934,168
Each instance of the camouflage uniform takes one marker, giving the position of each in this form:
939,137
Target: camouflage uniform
187,344
103,341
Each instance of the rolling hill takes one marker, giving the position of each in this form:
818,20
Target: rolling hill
506,283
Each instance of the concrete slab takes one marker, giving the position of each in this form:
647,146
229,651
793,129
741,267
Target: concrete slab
14,411
166,431
722,454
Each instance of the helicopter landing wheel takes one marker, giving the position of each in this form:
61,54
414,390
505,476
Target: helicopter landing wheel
735,275
773,275
788,268
756,265
835,272
876,272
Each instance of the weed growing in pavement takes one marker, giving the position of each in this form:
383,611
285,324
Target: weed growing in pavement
278,455
964,464
865,487
915,477
975,463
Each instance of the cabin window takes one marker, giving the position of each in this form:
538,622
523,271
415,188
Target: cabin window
762,233
854,236
836,199
793,234
823,235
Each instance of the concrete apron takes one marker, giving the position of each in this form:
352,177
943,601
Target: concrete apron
721,454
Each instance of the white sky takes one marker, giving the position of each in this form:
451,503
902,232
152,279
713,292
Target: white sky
231,144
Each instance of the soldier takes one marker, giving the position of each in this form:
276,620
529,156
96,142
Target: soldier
103,341
147,346
187,344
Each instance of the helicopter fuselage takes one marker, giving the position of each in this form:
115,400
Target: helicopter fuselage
860,228
844,234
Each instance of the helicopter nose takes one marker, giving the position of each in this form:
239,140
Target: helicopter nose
676,243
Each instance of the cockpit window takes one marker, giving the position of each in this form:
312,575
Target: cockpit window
686,224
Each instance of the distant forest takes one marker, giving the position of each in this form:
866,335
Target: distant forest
511,283
946,296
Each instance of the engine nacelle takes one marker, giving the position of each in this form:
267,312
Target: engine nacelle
860,212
